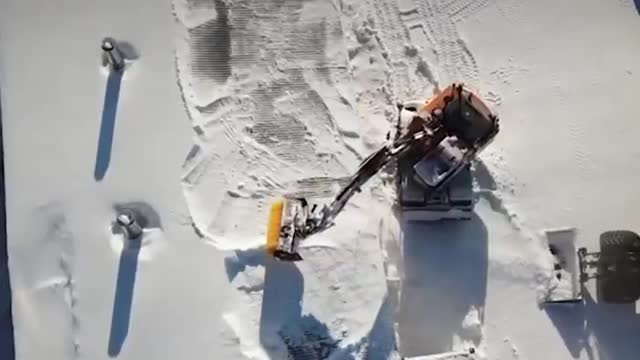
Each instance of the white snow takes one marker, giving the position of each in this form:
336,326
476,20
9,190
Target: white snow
225,105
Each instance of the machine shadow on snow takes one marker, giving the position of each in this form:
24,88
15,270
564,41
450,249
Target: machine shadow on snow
445,267
281,297
108,123
381,343
123,297
284,331
281,301
483,176
613,327
242,258
281,320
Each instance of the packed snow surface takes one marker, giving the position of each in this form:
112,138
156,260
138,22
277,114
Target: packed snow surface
226,104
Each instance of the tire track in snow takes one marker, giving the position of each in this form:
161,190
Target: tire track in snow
422,49
462,9
390,41
421,44
407,65
437,22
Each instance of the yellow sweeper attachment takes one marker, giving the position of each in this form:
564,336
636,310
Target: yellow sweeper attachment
275,224
287,221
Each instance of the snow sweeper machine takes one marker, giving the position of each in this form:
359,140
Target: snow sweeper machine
433,146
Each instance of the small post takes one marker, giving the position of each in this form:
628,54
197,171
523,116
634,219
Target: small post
112,53
131,227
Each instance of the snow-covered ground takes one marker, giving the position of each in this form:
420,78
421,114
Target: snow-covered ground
226,104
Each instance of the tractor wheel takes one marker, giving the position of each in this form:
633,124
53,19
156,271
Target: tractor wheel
619,267
619,242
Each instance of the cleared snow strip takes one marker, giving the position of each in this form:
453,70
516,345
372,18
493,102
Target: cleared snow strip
269,107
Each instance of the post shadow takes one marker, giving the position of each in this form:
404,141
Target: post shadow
381,338
7,346
107,125
123,297
241,259
284,331
445,277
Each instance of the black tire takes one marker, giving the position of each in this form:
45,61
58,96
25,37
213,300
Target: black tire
616,242
619,267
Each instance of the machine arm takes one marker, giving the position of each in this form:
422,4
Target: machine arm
372,165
